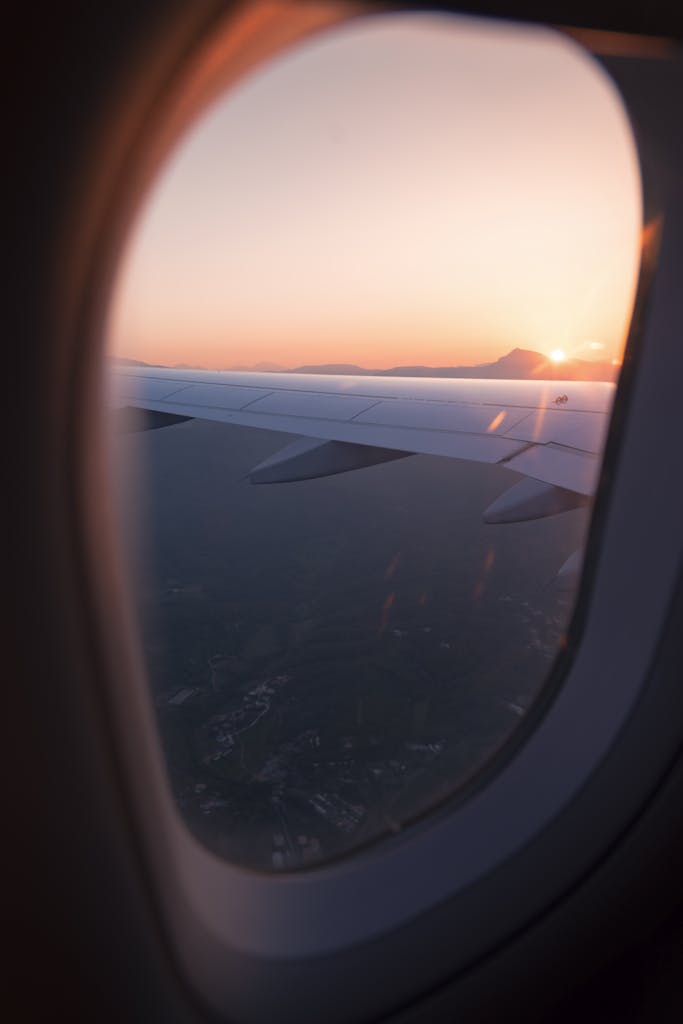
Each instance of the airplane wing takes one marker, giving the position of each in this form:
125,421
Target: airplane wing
551,432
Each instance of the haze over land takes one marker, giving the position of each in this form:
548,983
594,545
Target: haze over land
329,659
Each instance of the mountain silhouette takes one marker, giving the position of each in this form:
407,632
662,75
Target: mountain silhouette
263,367
518,364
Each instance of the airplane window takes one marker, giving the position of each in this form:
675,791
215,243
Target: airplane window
364,342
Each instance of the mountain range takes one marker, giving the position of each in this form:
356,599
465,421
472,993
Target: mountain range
518,364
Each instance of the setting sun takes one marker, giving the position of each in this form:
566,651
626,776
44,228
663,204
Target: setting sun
557,355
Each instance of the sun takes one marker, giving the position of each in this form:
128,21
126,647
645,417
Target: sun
558,355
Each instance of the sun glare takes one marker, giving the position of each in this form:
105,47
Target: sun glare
557,355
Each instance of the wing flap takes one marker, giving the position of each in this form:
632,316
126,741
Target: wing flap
554,464
582,430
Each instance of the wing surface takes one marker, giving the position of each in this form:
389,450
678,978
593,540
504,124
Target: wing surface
549,431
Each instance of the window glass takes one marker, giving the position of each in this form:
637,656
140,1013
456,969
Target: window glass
440,210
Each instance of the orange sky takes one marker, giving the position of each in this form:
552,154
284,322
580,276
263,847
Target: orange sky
403,189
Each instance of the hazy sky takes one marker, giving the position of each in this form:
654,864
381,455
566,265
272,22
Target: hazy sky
402,189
